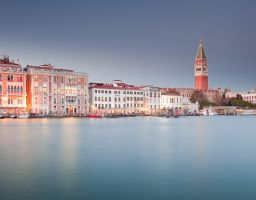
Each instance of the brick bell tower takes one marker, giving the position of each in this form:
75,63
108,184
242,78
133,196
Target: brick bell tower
201,69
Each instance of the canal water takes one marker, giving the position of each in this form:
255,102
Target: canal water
128,158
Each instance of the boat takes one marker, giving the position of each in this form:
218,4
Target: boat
94,116
209,112
13,116
247,112
23,116
2,116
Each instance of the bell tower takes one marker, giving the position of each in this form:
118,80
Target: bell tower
201,69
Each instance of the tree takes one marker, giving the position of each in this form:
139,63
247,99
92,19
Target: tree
201,98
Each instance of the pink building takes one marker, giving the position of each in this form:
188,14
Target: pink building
12,87
56,91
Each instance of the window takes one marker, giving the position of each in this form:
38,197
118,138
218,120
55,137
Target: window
109,92
9,89
95,91
45,91
106,91
106,98
0,77
36,90
1,88
109,105
95,98
109,98
95,105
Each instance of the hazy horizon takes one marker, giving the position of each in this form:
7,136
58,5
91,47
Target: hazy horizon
139,42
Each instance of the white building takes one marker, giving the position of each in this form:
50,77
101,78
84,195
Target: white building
115,98
171,100
152,97
249,96
188,107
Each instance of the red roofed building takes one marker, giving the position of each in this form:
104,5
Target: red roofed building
115,98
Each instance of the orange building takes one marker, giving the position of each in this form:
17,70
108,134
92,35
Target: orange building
12,87
201,69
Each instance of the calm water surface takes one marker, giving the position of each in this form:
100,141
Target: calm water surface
128,158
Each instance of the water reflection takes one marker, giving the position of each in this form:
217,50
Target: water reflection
132,158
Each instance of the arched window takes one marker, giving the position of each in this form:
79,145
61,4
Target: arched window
9,89
0,88
15,89
21,89
18,89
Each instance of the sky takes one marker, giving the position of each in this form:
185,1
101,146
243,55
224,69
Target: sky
138,41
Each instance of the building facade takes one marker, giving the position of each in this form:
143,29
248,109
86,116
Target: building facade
56,91
115,98
12,87
249,96
171,100
201,69
152,97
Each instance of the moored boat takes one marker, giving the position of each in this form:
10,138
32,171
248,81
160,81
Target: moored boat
246,112
23,116
94,116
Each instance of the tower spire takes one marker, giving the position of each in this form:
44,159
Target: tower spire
200,51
